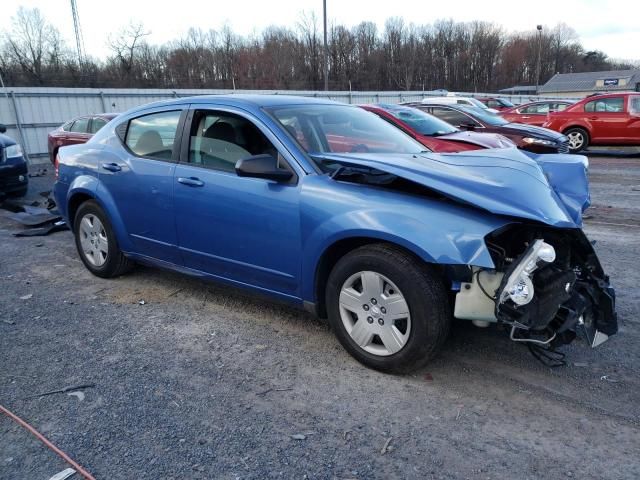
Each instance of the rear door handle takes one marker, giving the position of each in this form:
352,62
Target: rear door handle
191,181
112,167
593,118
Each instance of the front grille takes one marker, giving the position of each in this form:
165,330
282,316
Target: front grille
563,147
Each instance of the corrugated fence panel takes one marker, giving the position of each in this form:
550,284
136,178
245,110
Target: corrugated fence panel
40,110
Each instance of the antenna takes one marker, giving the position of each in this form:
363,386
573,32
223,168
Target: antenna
78,31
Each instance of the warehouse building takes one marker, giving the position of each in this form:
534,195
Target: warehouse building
586,83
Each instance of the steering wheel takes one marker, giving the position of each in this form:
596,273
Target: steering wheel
360,148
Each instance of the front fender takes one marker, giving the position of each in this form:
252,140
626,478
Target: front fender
437,232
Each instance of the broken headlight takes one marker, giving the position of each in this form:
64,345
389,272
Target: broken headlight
519,287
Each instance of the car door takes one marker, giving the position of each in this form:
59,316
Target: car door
608,119
139,180
245,230
633,122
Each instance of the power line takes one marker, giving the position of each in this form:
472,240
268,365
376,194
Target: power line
78,31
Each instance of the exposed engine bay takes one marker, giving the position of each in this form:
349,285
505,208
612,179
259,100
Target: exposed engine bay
547,286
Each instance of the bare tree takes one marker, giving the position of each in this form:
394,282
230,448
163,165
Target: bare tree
126,43
32,43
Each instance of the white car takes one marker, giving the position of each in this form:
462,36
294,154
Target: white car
452,99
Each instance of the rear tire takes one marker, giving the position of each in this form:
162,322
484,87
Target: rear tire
364,296
578,139
96,242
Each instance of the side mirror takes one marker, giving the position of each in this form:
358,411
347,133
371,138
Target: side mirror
262,166
3,128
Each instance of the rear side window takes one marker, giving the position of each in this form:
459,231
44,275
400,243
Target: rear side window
153,135
634,104
609,105
97,124
540,108
80,126
453,117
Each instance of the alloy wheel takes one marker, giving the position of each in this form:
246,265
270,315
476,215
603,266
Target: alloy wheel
93,239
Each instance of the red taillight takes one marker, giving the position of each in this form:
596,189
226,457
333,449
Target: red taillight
56,163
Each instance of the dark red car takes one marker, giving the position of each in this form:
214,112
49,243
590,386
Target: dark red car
611,119
499,104
527,137
534,113
433,133
76,131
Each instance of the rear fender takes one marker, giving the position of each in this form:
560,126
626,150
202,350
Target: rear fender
91,186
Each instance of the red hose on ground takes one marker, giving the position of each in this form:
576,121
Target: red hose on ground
43,439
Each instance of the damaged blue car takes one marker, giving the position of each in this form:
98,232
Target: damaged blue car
328,207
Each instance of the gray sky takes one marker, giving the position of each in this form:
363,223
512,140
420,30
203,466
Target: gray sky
607,25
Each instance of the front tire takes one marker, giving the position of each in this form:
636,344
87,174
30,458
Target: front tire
96,242
388,309
578,139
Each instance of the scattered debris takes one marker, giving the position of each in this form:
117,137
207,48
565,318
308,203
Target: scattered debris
274,390
43,231
63,390
41,172
299,436
39,244
346,435
460,407
608,379
63,474
8,322
428,377
580,364
174,292
34,220
79,395
385,447
141,302
27,296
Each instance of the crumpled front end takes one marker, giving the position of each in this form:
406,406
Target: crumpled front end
548,287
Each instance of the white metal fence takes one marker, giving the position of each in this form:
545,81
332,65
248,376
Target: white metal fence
31,112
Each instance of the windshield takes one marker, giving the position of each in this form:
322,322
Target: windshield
484,116
421,122
342,129
477,103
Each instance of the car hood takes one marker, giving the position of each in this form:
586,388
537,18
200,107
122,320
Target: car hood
486,140
6,141
552,189
533,131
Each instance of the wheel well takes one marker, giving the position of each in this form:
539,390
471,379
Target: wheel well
331,256
74,203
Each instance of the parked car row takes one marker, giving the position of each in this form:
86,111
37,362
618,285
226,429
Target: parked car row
345,211
14,172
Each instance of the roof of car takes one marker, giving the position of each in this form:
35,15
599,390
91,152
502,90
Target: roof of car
247,100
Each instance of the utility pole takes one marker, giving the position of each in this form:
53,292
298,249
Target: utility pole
539,27
326,50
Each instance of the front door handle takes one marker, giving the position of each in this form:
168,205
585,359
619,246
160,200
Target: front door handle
112,167
191,181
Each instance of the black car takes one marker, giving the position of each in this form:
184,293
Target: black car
526,137
14,174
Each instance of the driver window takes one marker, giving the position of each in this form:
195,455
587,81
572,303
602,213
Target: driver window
219,139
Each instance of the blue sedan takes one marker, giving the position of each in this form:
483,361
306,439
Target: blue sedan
328,207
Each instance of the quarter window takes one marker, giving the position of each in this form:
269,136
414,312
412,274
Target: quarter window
609,105
153,135
80,126
219,139
634,104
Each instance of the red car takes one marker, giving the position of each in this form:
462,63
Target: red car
499,104
434,133
534,113
78,130
606,119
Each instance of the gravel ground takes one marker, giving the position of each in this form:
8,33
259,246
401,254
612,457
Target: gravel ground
207,382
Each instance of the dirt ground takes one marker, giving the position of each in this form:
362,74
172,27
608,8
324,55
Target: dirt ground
208,382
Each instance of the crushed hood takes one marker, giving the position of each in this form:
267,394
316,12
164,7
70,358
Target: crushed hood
552,189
